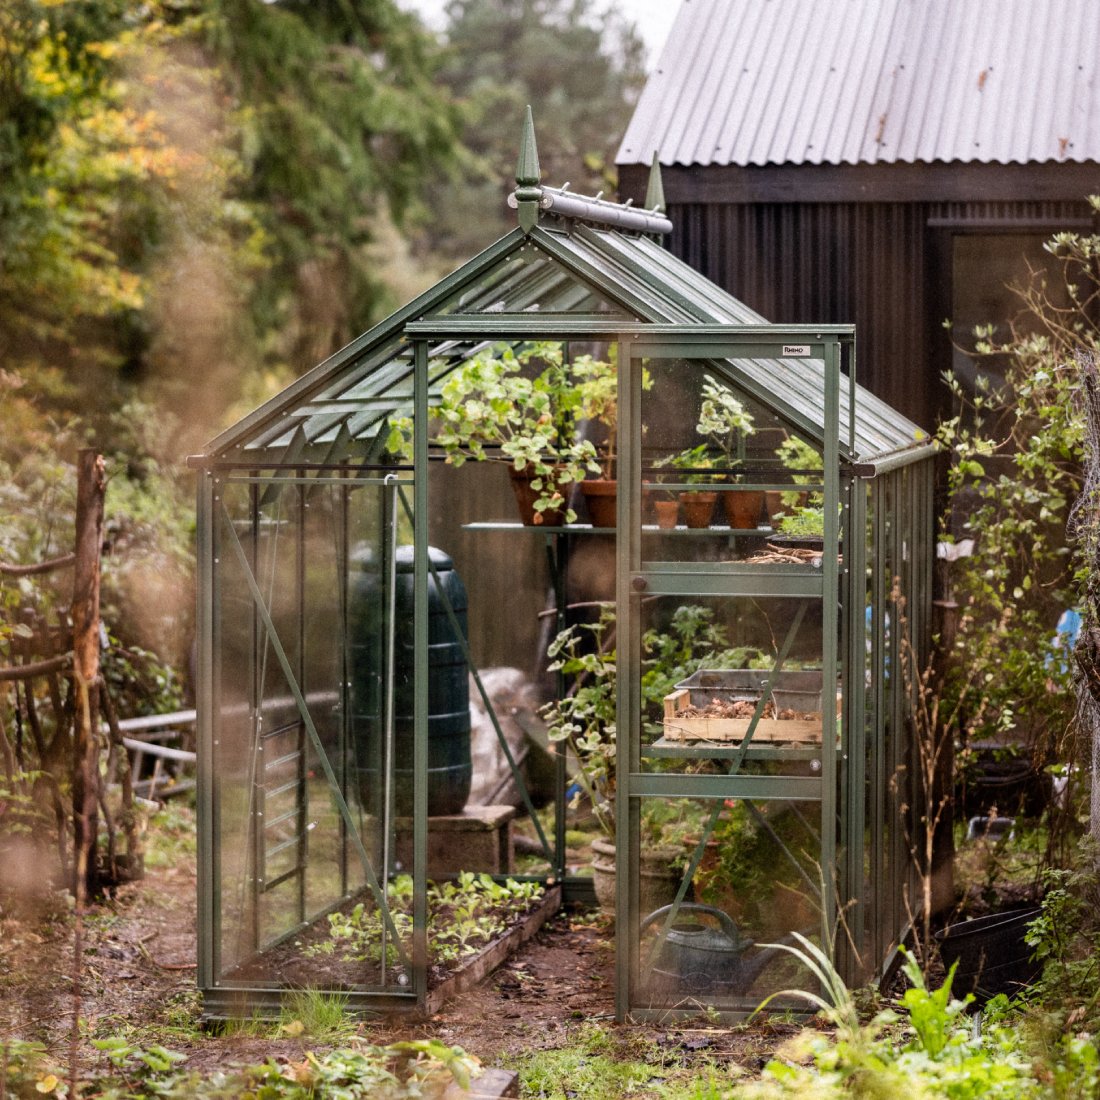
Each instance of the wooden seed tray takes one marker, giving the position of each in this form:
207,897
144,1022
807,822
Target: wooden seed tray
768,730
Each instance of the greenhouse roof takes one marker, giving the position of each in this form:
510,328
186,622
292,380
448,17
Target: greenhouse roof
576,266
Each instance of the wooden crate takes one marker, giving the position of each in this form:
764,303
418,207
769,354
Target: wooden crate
768,730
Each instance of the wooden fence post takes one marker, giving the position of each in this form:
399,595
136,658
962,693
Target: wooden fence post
90,493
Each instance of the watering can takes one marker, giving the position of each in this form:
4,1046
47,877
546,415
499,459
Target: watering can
695,958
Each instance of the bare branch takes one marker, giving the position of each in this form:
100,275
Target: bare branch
35,668
37,569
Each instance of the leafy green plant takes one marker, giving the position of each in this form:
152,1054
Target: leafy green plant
724,421
463,916
584,717
26,1070
522,407
418,1068
928,1049
801,458
694,465
803,522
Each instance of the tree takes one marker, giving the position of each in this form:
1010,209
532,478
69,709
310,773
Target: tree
579,67
188,193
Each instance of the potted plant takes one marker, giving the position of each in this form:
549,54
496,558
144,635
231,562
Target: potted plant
804,463
696,464
666,508
584,719
520,407
725,423
596,382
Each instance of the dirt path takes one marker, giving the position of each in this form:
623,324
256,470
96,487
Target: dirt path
138,982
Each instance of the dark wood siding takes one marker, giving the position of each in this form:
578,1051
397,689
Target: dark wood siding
884,264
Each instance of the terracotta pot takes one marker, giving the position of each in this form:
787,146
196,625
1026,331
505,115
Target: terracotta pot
668,512
600,496
743,508
698,508
526,497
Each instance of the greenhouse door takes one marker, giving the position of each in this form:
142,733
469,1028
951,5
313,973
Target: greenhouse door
730,668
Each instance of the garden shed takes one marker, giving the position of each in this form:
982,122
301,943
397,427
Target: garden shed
891,164
753,655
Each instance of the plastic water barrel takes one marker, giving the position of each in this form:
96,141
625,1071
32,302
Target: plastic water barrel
449,769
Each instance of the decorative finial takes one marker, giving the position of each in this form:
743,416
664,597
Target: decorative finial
655,189
528,175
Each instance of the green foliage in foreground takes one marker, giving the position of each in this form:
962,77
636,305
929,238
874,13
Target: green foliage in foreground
599,1064
929,1049
421,1068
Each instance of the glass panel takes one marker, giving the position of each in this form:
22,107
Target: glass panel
709,679
529,281
301,850
756,880
718,461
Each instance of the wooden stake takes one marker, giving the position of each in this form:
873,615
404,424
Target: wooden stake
90,492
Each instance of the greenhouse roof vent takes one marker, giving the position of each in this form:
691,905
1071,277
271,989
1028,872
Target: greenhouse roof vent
530,198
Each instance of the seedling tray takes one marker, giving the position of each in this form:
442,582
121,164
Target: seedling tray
798,692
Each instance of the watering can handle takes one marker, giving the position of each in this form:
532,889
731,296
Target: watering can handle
725,922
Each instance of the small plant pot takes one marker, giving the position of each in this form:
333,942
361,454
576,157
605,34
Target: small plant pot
668,513
659,875
743,508
601,497
698,508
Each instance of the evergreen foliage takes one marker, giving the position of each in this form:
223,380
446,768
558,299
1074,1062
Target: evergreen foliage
579,65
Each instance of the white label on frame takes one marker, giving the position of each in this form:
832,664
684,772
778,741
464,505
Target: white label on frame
796,349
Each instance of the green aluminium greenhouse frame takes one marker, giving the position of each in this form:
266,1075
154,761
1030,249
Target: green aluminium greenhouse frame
287,494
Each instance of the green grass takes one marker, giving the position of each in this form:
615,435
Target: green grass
598,1064
170,836
321,1016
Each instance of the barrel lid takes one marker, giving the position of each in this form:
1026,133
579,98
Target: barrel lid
439,558
365,558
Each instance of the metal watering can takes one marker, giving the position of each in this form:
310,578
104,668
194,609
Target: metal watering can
695,958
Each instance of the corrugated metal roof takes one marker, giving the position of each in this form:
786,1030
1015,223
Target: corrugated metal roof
562,268
755,82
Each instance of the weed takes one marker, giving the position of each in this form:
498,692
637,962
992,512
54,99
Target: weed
320,1015
601,1064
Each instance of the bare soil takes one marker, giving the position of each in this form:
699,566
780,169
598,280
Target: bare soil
138,981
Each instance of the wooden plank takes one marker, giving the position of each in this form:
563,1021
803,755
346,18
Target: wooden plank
675,702
865,183
734,729
481,965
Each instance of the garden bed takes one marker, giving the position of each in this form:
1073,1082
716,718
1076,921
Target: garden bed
473,926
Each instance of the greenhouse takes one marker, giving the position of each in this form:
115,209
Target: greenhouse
715,590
